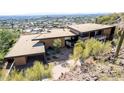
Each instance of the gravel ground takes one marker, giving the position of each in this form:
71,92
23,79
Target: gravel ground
96,72
91,70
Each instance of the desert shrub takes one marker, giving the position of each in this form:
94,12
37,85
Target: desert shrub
86,53
116,71
15,75
48,71
106,48
57,43
1,74
104,77
37,72
91,47
78,50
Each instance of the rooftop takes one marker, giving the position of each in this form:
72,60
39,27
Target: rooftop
88,27
25,46
54,33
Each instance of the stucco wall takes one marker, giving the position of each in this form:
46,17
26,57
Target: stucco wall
49,42
20,60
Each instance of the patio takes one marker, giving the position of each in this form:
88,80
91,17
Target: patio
57,58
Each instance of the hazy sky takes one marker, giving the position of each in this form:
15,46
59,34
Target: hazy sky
21,7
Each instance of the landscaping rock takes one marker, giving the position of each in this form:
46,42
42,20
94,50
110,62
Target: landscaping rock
122,62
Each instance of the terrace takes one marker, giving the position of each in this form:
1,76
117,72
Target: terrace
58,57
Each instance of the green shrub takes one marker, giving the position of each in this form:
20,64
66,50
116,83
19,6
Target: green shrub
90,47
86,53
15,75
48,71
57,43
2,74
37,72
7,39
78,50
106,48
1,57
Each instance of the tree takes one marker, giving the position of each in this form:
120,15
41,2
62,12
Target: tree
108,19
7,39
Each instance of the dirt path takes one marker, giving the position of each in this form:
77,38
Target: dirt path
58,70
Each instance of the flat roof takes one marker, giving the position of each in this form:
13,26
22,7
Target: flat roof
89,27
25,46
54,33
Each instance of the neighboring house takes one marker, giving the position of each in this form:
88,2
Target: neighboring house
34,45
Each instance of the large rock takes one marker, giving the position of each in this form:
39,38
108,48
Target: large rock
122,62
73,63
58,70
90,61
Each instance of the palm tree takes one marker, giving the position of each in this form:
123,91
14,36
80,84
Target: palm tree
121,39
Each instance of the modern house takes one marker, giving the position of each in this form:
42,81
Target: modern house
35,45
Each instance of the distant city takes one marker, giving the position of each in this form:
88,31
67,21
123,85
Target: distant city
36,23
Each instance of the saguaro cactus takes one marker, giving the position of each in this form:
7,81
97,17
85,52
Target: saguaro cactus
120,42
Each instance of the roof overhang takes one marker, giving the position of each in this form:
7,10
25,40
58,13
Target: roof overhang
26,47
40,38
82,28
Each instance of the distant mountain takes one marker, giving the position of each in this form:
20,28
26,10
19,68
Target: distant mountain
49,15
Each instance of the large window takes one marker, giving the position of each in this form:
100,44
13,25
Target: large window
92,34
98,32
85,34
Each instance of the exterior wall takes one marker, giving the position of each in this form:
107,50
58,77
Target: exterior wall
49,42
107,32
74,31
20,60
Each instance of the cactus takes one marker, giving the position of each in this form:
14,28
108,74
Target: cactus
119,44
